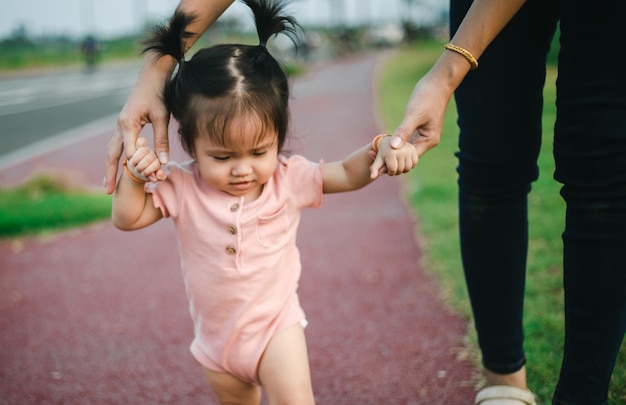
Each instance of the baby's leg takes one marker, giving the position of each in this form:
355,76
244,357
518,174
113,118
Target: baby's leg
284,368
231,390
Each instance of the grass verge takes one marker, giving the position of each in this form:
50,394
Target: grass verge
431,191
44,204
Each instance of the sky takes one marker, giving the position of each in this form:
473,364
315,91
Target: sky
109,18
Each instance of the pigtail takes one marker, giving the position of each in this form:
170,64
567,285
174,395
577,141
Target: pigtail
170,39
269,19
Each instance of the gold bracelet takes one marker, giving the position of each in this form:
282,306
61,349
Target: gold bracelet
376,141
131,175
465,53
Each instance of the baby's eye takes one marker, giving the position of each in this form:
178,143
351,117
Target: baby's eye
221,158
259,152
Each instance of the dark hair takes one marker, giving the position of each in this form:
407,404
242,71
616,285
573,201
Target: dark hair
223,82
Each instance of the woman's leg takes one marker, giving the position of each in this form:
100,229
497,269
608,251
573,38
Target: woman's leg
231,390
284,369
500,106
590,154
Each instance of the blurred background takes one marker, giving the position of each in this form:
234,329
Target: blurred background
35,33
67,66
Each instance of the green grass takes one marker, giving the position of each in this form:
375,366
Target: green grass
44,204
432,193
29,55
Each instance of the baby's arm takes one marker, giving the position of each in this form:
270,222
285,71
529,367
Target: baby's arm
132,206
392,161
355,170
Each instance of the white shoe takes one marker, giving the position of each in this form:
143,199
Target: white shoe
504,395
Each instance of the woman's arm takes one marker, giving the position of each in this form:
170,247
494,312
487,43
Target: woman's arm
431,95
482,23
206,13
145,103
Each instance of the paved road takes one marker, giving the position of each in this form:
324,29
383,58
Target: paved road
42,106
98,316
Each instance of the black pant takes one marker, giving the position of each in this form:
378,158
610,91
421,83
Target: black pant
500,108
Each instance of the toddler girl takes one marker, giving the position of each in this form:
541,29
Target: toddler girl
236,206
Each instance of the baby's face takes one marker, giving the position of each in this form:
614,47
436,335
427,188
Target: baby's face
242,167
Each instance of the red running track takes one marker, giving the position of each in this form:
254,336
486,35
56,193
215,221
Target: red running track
99,316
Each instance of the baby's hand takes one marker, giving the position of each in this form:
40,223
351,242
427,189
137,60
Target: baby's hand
393,161
144,164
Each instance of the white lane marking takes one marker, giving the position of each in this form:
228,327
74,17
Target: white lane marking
59,141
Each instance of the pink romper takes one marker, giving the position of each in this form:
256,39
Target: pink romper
240,262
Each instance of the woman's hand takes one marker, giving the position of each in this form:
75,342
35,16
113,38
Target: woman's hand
423,118
144,105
